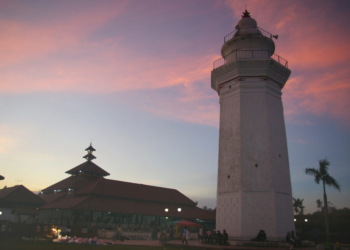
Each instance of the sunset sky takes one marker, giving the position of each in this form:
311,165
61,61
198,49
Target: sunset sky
133,77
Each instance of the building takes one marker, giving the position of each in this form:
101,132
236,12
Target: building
18,204
254,188
88,200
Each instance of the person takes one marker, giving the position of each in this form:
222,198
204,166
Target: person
337,245
294,238
162,238
200,234
225,237
213,237
288,237
219,237
186,235
119,230
208,238
261,236
171,233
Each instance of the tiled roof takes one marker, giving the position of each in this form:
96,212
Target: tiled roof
75,182
19,195
108,204
52,196
67,203
5,191
88,167
128,190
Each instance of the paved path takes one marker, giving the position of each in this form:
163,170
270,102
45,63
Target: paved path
193,244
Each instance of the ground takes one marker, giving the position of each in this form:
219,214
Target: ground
17,244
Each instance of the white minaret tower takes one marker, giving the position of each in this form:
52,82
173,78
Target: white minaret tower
254,189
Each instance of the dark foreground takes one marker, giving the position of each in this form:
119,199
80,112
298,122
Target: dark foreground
18,244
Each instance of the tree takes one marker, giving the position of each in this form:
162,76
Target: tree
298,206
319,204
321,174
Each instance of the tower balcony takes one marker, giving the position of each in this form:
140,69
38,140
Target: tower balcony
239,55
246,32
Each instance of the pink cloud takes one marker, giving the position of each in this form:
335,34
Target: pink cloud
21,41
325,94
108,65
313,39
309,35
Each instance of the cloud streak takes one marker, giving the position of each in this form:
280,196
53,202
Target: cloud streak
66,55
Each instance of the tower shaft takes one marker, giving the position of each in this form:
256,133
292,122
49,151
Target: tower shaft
254,187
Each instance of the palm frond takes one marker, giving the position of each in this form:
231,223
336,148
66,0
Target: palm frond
324,163
314,172
330,181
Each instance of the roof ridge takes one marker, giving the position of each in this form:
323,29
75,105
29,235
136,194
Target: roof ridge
140,184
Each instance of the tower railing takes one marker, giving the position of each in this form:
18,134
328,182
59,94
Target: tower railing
249,54
248,31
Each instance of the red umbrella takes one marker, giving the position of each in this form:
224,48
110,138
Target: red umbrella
184,223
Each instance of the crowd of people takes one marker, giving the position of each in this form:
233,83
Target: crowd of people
292,240
211,237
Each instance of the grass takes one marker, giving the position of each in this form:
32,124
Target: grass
18,244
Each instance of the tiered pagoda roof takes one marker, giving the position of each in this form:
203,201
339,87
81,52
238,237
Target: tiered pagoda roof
87,189
88,167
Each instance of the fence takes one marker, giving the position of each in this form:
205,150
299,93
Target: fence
249,54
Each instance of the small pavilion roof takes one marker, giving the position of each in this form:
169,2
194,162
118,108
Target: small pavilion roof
1,177
89,157
88,167
90,148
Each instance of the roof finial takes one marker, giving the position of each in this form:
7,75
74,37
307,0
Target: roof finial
246,13
90,156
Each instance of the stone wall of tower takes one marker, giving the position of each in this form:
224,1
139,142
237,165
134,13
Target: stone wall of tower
254,190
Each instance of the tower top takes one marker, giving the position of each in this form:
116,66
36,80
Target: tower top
247,22
89,156
248,37
90,148
246,14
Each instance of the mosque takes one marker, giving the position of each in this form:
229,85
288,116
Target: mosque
88,200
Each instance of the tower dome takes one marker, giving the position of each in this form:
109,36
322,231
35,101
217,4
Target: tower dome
248,37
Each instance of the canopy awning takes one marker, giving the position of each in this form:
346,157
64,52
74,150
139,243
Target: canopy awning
187,223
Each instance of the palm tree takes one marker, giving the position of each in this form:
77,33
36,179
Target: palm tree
322,174
298,206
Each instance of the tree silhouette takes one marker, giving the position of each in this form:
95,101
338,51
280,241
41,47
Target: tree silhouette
319,204
321,174
298,206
